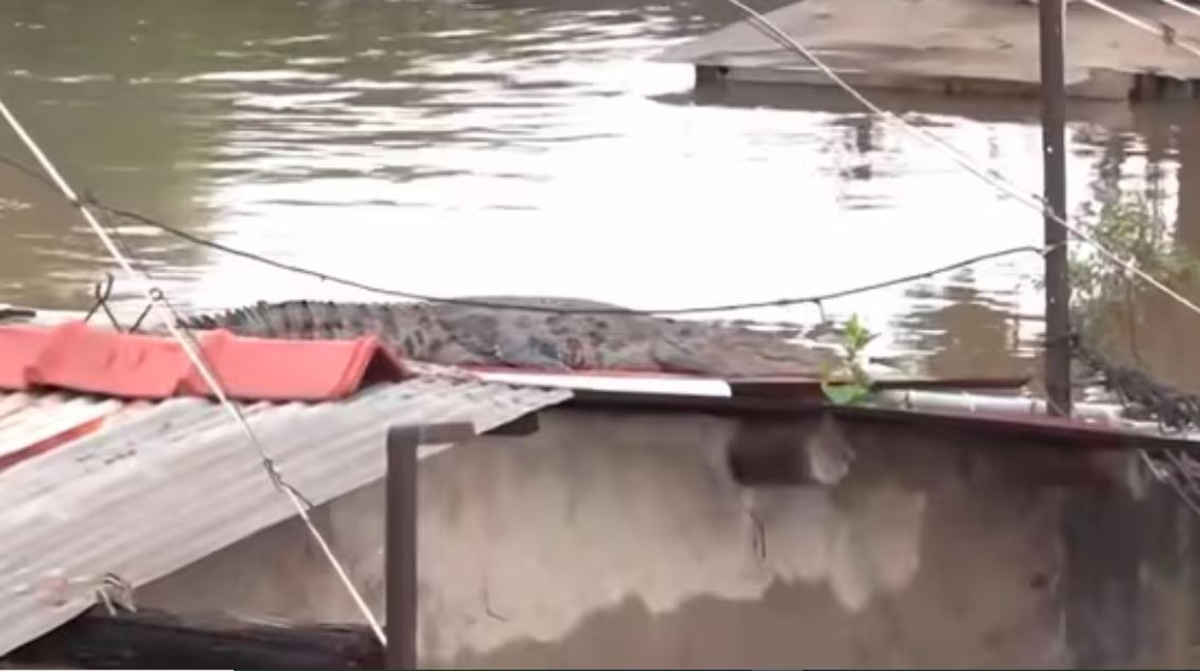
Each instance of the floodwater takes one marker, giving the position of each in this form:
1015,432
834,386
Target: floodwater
452,147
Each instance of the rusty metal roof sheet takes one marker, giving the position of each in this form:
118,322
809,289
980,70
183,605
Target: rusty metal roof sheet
166,484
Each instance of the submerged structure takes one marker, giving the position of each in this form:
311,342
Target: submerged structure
755,525
954,47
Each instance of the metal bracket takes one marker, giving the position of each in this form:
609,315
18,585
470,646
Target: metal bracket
102,293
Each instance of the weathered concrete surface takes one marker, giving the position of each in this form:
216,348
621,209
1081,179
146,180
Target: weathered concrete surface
624,542
955,46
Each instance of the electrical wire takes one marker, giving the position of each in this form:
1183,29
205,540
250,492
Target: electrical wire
171,321
470,302
816,299
768,28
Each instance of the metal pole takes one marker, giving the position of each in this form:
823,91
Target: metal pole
400,545
1058,289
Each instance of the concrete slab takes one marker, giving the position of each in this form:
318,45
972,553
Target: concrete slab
954,46
830,100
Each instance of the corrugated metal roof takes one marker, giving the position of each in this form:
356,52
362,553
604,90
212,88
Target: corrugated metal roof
29,421
175,482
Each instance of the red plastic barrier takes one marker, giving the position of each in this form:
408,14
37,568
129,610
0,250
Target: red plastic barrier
110,363
20,347
77,358
292,370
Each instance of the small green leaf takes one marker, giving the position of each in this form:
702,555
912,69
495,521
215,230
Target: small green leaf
844,394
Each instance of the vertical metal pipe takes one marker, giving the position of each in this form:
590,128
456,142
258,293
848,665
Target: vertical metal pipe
400,544
400,547
1058,289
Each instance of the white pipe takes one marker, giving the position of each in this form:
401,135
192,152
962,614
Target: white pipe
1007,405
654,384
1103,413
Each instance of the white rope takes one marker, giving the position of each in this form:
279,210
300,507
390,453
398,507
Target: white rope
168,316
1167,32
1003,184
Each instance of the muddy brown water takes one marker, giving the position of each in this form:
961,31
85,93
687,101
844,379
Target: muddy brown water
524,147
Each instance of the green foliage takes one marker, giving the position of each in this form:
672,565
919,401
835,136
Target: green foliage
1131,229
850,383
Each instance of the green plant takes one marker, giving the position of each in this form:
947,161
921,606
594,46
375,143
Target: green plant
1131,229
850,383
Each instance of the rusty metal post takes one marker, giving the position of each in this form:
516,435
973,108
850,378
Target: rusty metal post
400,545
1058,288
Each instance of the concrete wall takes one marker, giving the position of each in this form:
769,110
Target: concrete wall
623,541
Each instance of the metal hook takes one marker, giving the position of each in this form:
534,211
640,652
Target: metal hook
142,317
102,292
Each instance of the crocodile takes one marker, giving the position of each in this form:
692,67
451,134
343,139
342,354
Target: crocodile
551,333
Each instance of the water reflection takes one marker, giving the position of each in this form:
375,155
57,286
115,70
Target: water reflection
1157,158
959,327
518,147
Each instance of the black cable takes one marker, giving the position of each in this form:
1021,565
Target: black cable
29,172
817,299
728,307
104,292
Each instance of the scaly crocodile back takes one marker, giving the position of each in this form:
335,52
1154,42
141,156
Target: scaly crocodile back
457,334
